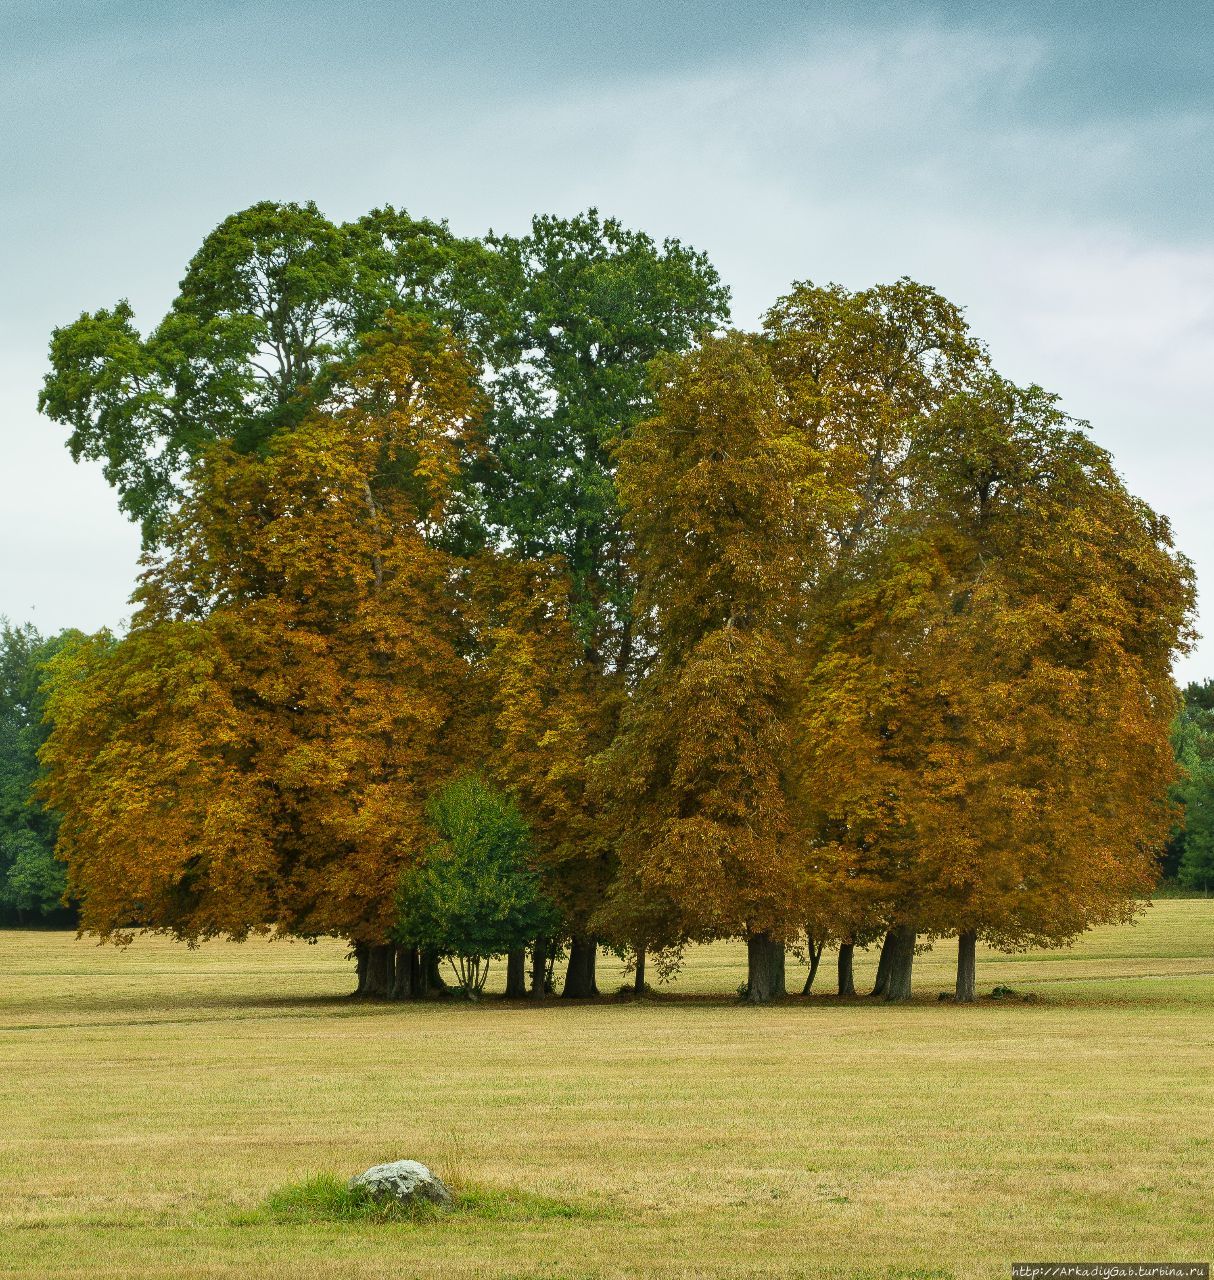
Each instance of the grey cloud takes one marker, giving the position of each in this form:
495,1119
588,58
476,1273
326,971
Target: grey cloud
1049,166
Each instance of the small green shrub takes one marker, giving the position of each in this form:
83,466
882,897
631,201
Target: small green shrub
475,893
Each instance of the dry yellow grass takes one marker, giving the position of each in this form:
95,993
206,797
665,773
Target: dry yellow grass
152,1097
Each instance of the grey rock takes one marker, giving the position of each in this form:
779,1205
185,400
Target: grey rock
408,1181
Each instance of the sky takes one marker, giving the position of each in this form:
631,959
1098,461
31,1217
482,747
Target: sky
1049,167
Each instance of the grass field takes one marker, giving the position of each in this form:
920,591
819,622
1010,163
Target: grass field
153,1098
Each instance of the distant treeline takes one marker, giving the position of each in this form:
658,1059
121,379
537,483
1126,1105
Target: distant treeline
1188,860
32,882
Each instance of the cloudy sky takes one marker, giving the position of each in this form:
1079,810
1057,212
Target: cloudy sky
1048,166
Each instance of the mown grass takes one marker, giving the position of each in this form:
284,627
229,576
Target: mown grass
170,1113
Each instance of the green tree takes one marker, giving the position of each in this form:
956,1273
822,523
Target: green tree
587,305
1193,740
31,880
475,894
274,299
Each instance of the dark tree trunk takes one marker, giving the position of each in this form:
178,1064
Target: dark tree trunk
516,974
381,972
764,969
407,983
967,966
815,959
579,976
539,968
434,972
901,961
362,954
639,983
881,986
429,980
847,978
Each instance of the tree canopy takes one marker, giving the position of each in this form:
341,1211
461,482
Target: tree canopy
1193,741
292,685
665,633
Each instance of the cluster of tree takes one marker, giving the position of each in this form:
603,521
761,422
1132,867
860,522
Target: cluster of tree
31,879
493,594
1189,856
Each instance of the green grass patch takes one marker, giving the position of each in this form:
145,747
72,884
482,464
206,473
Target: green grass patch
513,1205
326,1198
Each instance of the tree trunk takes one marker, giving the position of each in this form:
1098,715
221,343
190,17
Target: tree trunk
361,956
901,961
764,969
847,978
407,982
539,968
639,983
967,965
381,971
815,959
881,986
429,980
579,976
516,974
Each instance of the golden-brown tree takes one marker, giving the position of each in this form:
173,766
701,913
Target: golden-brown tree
985,733
722,499
542,713
256,753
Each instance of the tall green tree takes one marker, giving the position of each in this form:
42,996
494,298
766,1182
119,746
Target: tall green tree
588,304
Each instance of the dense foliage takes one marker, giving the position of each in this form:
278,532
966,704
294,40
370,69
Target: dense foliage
494,597
31,880
475,893
1192,846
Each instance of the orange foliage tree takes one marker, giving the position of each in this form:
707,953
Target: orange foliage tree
256,753
723,501
984,735
542,712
